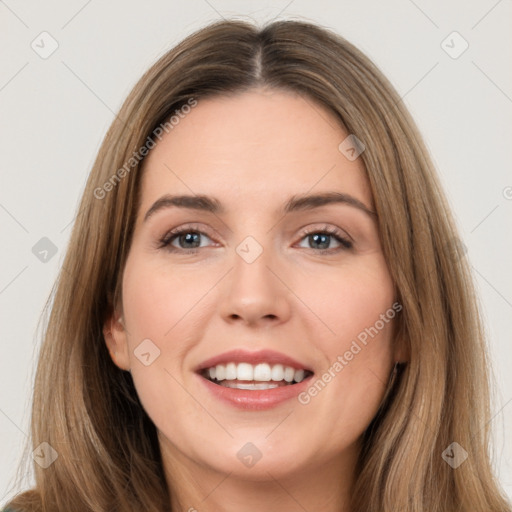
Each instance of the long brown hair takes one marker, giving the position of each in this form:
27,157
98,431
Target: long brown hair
88,410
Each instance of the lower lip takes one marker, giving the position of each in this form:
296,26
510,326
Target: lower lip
258,399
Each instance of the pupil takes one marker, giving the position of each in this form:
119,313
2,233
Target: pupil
321,240
192,238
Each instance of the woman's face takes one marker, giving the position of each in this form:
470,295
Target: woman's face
267,260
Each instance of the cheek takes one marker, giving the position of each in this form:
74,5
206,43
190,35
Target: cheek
154,300
350,300
153,307
356,342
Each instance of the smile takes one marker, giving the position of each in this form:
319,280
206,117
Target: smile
254,376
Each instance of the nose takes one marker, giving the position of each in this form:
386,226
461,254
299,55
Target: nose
254,294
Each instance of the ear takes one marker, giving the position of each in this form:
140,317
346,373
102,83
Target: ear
116,339
401,355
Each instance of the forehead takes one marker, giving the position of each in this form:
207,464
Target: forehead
252,146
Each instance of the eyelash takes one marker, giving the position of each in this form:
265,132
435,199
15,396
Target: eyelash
165,241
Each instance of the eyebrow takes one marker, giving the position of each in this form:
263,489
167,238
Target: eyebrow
294,204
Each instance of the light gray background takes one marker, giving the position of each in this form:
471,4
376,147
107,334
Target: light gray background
55,111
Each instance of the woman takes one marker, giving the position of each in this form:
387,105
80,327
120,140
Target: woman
263,305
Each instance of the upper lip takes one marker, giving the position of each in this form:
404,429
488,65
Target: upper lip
245,356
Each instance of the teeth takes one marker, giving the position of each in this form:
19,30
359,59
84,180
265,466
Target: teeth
289,373
220,372
244,371
249,385
262,372
277,372
231,372
298,376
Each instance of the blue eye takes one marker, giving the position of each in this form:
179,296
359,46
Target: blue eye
189,240
322,240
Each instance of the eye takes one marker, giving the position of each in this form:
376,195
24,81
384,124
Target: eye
322,240
188,239
184,239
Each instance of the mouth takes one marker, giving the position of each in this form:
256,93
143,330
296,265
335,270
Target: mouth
257,377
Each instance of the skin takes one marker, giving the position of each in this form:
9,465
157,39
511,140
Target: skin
253,151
